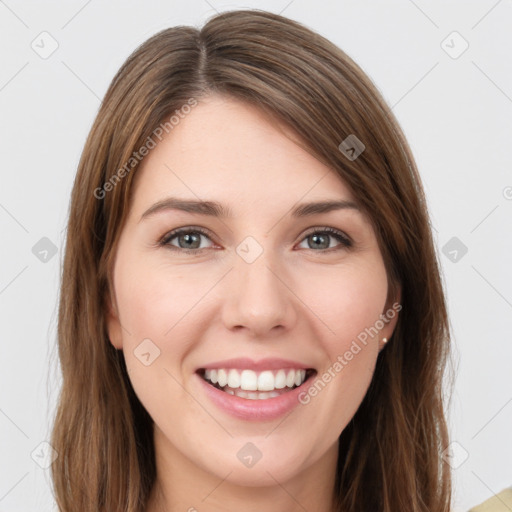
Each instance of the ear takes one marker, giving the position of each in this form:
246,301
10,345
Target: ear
390,316
114,328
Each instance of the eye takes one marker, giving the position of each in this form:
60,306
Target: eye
188,239
320,239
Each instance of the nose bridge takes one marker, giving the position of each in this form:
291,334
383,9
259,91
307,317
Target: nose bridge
259,299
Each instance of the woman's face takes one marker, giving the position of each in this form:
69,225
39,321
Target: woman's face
256,298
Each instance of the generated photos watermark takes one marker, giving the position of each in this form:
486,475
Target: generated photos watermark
343,360
149,144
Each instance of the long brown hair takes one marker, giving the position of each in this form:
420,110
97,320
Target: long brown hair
389,458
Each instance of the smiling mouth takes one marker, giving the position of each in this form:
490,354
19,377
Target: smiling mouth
254,385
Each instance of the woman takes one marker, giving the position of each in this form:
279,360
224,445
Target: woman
251,313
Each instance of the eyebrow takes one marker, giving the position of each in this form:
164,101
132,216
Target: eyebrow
215,209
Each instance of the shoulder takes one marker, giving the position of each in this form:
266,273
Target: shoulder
501,502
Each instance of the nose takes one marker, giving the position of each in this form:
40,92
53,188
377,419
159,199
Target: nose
258,299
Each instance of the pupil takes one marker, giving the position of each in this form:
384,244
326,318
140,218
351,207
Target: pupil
190,238
316,237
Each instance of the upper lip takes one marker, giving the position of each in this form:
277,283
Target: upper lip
260,365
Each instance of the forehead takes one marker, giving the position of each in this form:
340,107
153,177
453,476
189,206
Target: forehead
231,151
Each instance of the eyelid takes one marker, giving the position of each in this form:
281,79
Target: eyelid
185,229
331,231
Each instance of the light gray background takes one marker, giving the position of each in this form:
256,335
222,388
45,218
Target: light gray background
456,113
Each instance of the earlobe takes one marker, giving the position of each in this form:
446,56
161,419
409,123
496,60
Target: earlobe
113,325
391,315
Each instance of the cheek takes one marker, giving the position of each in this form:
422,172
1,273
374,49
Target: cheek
154,303
348,303
154,300
163,315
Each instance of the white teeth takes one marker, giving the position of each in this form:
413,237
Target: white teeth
280,379
249,380
233,379
251,395
299,377
211,375
266,381
222,377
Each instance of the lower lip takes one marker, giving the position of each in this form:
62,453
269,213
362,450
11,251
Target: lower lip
254,410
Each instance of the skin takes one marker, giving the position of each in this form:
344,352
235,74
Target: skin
296,301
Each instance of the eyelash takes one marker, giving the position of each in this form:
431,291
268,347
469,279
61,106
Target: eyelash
345,242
